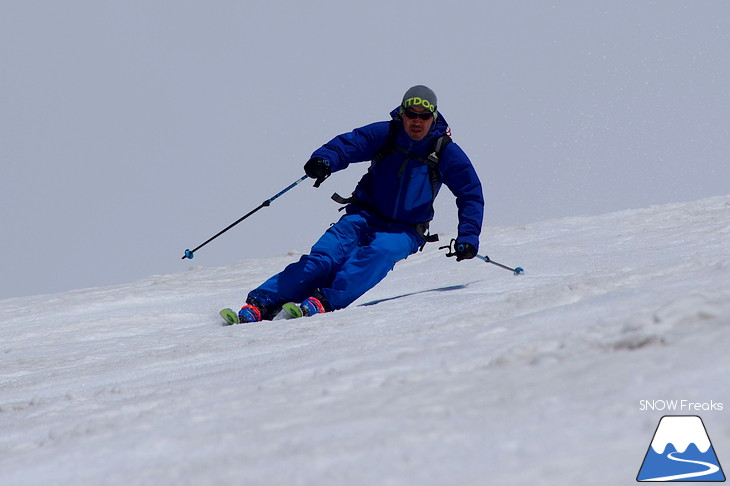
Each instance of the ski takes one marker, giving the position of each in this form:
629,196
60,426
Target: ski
290,310
229,315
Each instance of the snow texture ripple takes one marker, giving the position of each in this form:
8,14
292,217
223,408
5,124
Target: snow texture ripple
446,373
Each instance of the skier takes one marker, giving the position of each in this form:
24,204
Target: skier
387,217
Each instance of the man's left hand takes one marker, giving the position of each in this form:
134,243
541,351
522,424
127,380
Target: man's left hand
464,251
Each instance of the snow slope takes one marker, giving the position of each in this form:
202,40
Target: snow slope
446,373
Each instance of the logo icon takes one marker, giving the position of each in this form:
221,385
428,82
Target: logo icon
681,451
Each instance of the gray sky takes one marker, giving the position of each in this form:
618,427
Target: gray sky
132,130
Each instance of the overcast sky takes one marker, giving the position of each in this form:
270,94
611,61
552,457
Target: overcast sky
132,130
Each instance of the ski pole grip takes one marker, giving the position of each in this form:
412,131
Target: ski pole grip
450,248
320,180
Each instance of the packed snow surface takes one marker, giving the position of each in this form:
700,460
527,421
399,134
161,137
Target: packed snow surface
446,373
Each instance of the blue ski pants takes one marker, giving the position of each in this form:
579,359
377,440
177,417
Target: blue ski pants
349,259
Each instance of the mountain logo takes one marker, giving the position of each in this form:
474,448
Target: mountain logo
681,451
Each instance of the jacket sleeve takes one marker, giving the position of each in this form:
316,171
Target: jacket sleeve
458,174
359,145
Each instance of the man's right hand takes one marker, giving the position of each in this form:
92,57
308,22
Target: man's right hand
317,168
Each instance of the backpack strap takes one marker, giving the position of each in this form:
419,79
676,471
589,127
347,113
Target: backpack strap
432,162
388,146
438,148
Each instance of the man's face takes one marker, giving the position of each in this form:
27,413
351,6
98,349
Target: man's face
414,123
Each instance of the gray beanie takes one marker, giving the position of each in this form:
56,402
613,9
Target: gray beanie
420,96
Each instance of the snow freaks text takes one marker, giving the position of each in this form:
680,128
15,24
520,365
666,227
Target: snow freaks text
683,406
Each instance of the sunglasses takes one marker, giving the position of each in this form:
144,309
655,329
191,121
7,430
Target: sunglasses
412,115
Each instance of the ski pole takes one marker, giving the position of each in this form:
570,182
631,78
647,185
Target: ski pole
191,253
484,258
516,271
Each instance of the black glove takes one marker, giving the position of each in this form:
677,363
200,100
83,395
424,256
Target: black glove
464,251
317,168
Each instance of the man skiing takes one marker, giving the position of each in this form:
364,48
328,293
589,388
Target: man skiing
387,217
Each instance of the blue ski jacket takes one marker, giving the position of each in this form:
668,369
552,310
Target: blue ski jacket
398,187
